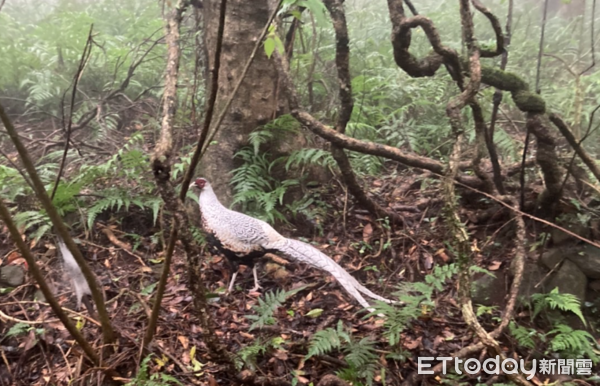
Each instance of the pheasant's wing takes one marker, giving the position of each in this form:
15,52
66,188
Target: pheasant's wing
242,233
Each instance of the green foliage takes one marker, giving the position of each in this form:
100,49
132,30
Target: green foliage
18,329
12,184
267,305
561,339
115,199
327,340
572,343
273,41
316,7
249,354
524,336
41,44
256,189
554,300
143,377
34,219
417,298
359,354
124,170
440,275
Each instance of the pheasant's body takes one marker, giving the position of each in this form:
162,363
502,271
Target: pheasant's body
243,238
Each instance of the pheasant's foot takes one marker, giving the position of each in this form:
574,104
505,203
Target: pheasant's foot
231,283
256,285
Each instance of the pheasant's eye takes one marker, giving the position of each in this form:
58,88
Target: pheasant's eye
200,182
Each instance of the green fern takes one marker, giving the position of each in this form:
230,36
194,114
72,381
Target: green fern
554,300
360,355
12,184
121,198
267,305
416,297
524,336
143,377
327,340
255,189
573,343
440,274
34,219
249,354
309,156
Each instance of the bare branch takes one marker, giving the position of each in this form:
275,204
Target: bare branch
497,30
342,61
576,145
161,164
85,55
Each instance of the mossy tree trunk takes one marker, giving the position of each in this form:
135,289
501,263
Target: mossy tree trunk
255,102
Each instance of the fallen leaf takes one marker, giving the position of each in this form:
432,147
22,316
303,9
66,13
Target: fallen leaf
367,232
315,313
246,335
411,344
428,261
14,255
281,355
30,341
184,340
212,381
494,265
441,253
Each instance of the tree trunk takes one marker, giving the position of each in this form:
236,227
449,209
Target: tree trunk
256,101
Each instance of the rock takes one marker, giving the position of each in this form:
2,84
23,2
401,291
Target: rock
532,275
587,258
553,256
569,279
559,237
276,271
39,296
12,276
595,285
488,290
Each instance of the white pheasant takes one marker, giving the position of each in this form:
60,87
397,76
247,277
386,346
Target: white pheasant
242,239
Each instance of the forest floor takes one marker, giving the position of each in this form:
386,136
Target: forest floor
126,260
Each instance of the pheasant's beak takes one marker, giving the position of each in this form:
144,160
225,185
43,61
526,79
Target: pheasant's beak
192,185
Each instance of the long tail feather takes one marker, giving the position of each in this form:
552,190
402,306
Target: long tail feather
80,285
306,253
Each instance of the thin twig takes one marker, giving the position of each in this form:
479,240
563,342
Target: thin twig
592,37
497,99
541,49
210,105
85,55
162,153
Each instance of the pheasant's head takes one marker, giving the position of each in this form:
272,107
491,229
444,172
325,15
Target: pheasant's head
200,183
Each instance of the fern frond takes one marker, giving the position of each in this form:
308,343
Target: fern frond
554,300
323,342
524,336
267,305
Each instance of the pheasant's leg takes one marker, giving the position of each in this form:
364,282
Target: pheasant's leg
232,282
256,285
